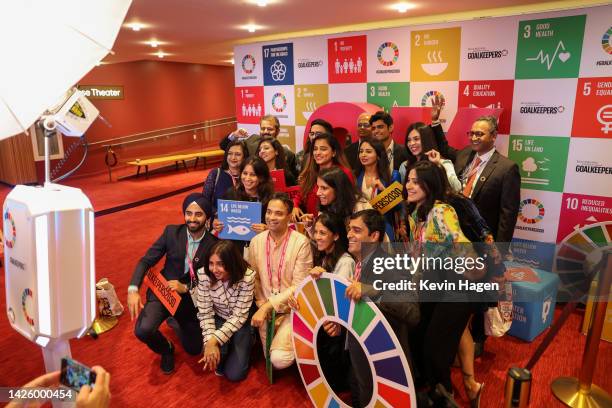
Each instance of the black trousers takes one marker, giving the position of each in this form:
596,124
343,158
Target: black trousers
155,313
440,331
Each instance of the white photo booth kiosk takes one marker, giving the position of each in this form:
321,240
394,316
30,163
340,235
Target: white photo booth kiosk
49,251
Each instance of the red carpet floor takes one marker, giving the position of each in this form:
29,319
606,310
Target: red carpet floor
121,238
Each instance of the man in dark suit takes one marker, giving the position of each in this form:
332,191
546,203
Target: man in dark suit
382,129
493,181
185,247
363,130
268,126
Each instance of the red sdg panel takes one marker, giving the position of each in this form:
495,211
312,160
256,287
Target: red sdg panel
593,108
249,104
489,94
347,59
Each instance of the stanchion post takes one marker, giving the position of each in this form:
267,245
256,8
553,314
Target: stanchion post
581,392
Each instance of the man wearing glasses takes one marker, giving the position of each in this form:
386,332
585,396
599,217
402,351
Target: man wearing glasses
363,130
493,181
268,126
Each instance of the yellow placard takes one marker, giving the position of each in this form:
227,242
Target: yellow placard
388,198
434,55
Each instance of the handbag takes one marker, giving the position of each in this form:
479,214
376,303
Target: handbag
498,319
108,302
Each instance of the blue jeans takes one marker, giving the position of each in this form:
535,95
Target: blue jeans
236,353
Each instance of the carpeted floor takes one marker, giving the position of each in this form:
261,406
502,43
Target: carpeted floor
122,238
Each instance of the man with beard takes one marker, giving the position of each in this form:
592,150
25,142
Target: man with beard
268,126
185,247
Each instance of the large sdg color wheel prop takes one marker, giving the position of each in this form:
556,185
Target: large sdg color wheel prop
579,251
323,300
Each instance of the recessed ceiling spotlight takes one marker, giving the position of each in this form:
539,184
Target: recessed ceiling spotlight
160,54
153,43
402,7
262,3
135,26
251,28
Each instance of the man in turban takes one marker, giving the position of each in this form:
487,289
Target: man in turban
185,247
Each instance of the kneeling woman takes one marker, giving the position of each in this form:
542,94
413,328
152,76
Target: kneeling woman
225,296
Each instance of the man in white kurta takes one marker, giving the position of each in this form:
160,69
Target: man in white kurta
282,258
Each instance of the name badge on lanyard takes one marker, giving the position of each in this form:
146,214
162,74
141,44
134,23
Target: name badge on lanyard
281,262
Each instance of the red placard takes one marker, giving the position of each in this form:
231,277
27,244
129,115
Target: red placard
593,108
292,191
489,94
278,177
579,210
249,104
159,285
347,59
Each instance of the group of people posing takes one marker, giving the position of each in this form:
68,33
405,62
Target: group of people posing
231,289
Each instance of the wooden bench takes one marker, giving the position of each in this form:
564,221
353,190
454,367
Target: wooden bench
176,158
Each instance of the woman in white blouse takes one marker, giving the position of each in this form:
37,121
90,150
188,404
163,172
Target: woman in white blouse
225,296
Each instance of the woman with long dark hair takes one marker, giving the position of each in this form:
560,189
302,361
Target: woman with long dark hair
255,184
420,141
373,177
317,127
326,153
337,195
331,243
226,176
434,230
272,153
224,297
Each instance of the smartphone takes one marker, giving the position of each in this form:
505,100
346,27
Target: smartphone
75,375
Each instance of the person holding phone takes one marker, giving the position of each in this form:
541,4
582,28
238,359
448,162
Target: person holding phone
97,396
225,297
185,248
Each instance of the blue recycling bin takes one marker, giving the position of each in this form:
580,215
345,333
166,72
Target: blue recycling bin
534,307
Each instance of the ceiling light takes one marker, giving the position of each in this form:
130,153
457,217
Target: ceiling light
135,26
262,3
231,61
402,7
251,28
161,54
153,43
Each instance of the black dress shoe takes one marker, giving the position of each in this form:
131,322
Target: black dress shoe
167,361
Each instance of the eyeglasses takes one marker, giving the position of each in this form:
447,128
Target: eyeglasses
363,125
475,134
315,134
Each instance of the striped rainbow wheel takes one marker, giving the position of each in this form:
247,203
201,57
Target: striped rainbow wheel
579,251
323,300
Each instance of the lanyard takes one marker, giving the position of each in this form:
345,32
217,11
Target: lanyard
234,179
190,261
280,263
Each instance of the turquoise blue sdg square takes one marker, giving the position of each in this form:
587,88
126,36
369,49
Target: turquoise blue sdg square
533,305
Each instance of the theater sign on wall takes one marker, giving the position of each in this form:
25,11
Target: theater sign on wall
550,72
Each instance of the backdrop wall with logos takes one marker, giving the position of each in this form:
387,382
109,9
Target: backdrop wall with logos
550,72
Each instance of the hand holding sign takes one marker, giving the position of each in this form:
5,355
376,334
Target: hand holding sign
388,199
